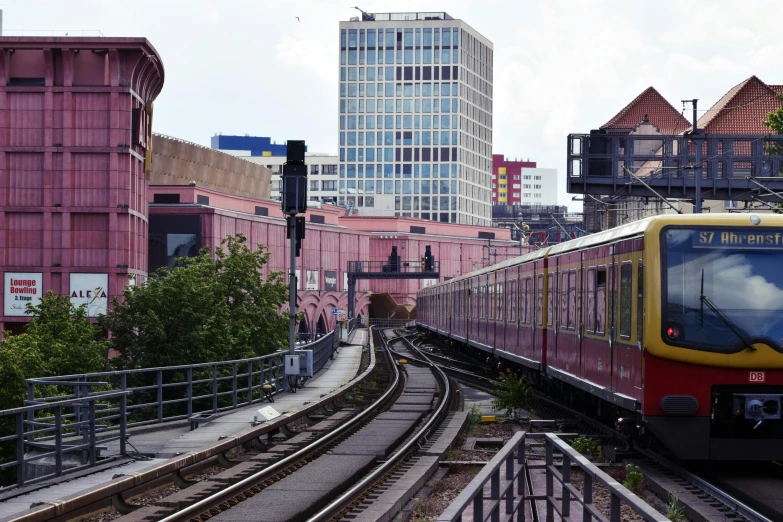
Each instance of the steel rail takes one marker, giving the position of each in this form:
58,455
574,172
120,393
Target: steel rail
721,496
347,498
206,504
123,483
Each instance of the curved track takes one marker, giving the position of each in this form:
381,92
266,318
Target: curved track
737,492
336,474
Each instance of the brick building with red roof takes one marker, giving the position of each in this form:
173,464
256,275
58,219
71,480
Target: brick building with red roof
740,111
649,104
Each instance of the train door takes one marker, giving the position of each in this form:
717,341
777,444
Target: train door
539,334
580,312
623,346
501,293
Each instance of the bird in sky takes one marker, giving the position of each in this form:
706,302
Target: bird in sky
297,19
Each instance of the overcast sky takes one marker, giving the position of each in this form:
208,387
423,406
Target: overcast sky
249,67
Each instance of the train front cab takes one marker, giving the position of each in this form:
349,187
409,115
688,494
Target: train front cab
712,384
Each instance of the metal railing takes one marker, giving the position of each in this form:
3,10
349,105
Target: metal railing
729,165
407,266
507,475
391,323
55,434
99,410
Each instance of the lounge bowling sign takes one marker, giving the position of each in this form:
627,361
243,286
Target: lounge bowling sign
19,289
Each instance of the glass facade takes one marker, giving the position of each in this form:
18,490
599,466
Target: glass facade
415,120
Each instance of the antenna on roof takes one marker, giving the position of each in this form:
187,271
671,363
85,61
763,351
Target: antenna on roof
366,17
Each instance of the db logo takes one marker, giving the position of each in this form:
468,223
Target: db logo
756,376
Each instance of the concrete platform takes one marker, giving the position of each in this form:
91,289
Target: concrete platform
300,495
172,439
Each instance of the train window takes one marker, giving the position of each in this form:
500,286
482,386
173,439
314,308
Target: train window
500,303
523,300
539,299
600,300
512,301
639,303
571,299
591,300
564,300
524,304
626,300
480,302
550,302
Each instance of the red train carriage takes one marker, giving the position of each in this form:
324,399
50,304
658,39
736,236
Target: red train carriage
677,320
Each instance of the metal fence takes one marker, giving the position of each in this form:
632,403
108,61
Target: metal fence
391,323
76,414
509,490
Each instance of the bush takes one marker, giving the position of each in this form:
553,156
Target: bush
674,510
474,415
512,393
587,446
633,477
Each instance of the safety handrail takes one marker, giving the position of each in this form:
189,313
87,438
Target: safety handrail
507,473
167,394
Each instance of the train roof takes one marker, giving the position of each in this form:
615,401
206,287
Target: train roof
634,229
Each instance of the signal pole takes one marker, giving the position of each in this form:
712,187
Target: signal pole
294,201
697,150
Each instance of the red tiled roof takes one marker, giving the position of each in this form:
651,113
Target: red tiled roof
742,109
659,111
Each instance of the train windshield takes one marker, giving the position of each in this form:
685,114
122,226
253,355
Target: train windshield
723,288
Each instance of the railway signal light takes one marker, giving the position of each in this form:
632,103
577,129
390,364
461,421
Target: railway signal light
294,200
428,259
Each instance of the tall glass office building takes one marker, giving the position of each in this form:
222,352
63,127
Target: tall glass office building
415,117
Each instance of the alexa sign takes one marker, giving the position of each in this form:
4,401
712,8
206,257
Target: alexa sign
92,290
19,289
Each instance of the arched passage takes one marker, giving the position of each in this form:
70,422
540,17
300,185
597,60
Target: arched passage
320,327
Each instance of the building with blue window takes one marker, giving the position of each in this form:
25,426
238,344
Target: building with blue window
248,145
321,168
415,117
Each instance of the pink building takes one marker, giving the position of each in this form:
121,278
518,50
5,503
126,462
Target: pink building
202,217
75,123
78,217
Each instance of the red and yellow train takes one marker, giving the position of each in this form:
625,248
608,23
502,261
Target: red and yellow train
673,321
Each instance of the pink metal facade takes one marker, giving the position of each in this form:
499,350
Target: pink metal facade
75,120
329,246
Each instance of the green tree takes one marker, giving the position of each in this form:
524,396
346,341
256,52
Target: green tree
60,340
512,393
775,119
207,308
775,122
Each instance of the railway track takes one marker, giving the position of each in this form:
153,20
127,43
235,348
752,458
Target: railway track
351,490
704,493
335,407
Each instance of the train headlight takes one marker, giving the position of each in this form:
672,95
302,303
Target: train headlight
673,332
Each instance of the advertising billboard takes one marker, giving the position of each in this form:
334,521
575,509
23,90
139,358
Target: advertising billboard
20,288
92,290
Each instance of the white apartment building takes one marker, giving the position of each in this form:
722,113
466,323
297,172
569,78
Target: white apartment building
321,175
415,117
536,186
321,169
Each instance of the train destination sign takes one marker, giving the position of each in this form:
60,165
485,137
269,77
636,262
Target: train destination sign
717,238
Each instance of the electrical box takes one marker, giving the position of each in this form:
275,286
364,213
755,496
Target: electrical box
292,364
305,363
